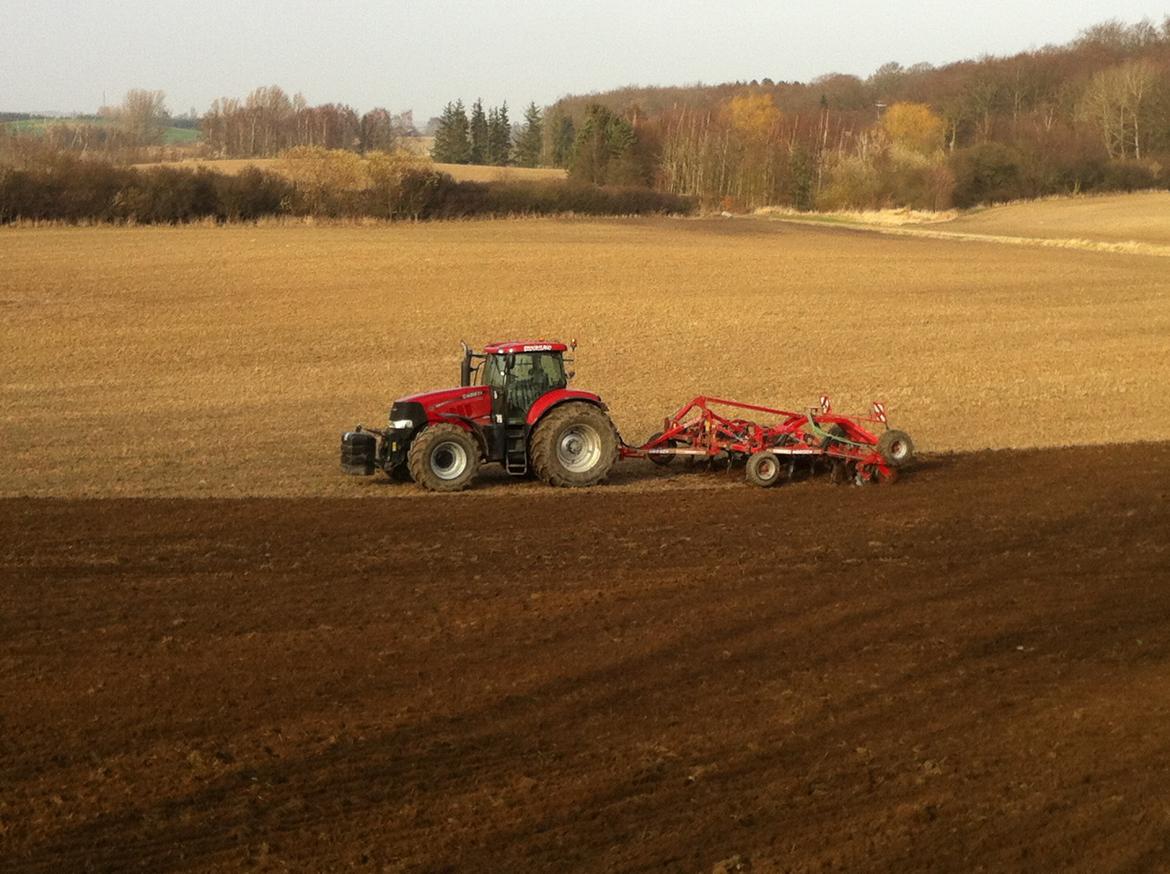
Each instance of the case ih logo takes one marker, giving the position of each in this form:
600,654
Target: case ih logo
544,347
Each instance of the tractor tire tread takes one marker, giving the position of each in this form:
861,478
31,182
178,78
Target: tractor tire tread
418,458
543,445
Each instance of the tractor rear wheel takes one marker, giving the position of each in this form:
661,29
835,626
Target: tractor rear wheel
896,448
764,469
443,458
574,445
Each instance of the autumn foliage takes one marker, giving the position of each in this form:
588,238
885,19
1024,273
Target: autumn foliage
1091,115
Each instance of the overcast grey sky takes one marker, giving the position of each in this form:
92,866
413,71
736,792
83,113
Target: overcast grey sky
66,54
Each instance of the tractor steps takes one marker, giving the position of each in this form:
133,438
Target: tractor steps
516,450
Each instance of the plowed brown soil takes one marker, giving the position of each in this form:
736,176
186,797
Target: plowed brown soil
969,670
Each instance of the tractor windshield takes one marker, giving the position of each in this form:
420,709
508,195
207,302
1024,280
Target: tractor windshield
538,368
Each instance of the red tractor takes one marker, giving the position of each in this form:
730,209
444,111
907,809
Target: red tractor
513,406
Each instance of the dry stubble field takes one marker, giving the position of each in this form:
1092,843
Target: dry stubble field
461,172
1109,218
225,361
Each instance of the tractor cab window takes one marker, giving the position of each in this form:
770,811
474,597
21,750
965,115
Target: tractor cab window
529,376
541,367
493,371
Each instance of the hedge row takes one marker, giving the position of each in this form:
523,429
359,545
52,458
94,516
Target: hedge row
996,173
77,190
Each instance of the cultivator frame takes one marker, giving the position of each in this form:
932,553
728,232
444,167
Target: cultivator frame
851,446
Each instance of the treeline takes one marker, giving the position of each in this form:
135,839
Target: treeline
602,149
269,121
1088,116
262,125
484,138
1091,115
315,182
123,132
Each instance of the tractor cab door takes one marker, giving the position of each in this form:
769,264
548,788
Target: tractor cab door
519,379
495,377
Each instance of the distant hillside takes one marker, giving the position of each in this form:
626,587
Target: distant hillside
973,95
1114,218
1090,115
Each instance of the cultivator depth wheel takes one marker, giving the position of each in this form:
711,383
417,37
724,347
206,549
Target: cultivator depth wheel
764,469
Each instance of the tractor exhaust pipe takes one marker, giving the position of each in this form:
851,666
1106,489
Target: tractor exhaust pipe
465,365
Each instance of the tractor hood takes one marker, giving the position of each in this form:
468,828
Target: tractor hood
442,395
438,405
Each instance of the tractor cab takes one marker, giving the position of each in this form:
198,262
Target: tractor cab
518,374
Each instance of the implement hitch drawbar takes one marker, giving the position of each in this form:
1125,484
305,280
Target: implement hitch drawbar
862,449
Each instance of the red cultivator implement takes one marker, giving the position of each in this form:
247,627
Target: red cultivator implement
859,449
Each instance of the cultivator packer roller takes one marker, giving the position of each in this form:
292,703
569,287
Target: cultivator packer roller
858,449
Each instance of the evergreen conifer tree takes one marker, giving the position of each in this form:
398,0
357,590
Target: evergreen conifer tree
479,133
605,149
499,137
564,135
531,139
452,145
489,155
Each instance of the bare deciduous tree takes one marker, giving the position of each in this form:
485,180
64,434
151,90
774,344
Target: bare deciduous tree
1118,101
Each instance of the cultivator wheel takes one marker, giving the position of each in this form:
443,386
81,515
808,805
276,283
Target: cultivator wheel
896,448
765,469
662,460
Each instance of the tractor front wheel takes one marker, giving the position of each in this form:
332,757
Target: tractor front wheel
443,458
574,445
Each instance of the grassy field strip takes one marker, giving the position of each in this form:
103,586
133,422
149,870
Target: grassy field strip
171,135
1131,247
